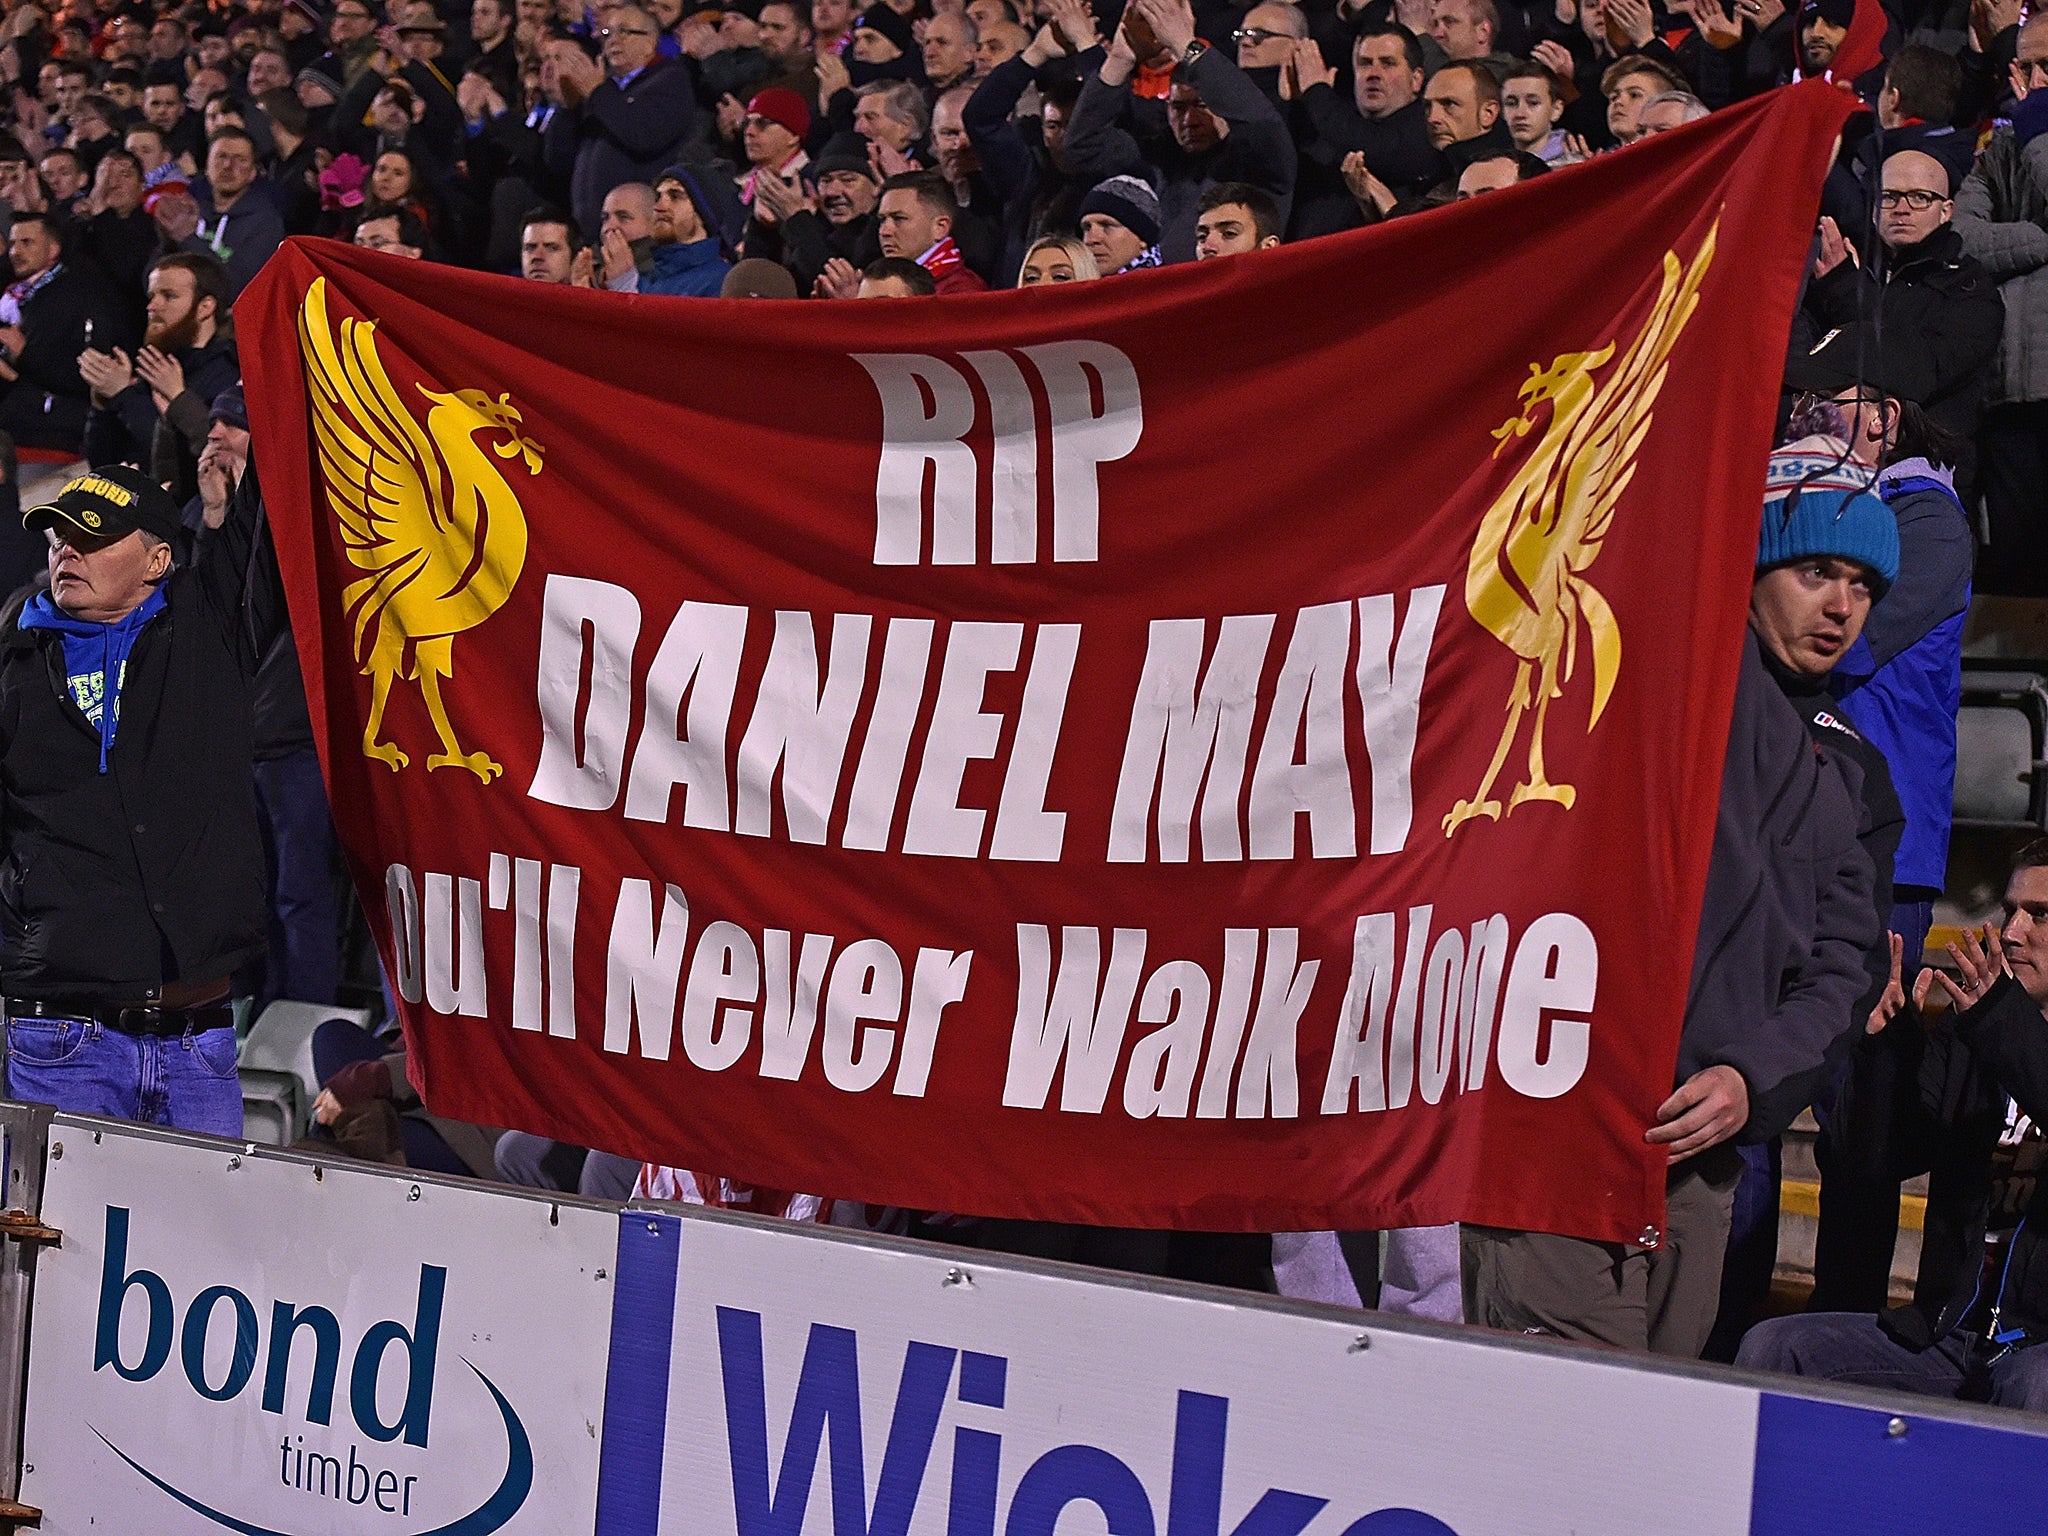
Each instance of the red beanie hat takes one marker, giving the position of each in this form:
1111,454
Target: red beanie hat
782,106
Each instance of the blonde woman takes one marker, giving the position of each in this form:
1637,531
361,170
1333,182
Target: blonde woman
1056,259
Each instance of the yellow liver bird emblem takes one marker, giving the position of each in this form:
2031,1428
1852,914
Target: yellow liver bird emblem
423,508
1525,581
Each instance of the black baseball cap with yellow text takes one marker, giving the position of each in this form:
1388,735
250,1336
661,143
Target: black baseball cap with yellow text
109,503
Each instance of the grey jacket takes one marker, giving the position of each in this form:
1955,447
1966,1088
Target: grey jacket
1790,910
2002,215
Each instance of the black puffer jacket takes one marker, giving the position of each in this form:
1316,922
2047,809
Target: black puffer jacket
113,884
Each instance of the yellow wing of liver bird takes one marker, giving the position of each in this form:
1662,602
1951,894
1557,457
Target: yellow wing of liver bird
1525,581
423,508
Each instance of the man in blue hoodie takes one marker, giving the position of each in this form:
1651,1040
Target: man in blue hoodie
696,226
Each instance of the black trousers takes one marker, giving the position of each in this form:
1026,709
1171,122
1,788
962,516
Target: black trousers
2012,468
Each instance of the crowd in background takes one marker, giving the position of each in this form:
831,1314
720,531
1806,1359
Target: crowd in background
157,154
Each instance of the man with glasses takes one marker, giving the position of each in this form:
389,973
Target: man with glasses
1220,126
351,42
1923,291
1999,214
1265,41
623,120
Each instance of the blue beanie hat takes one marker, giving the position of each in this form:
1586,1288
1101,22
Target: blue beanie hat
1817,502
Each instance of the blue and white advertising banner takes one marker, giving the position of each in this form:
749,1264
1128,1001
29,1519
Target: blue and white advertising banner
233,1342
785,1386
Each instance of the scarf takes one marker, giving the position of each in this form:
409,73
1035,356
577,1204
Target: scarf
1148,257
95,657
796,162
942,260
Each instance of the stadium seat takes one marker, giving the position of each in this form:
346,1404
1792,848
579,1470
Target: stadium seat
2001,743
278,1080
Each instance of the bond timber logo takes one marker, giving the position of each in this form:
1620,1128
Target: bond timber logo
1525,581
423,508
384,1475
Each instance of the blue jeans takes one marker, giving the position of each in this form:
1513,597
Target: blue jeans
188,1082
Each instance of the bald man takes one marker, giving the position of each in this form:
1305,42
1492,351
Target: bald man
1935,303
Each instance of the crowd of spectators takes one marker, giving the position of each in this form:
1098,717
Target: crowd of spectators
156,154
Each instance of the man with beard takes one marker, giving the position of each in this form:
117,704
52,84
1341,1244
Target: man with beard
1385,122
696,216
808,233
151,411
1029,172
1220,125
45,402
785,42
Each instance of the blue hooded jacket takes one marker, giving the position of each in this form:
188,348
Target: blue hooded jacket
95,657
694,268
1902,680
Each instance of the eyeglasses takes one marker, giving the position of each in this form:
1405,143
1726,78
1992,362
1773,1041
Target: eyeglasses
1919,199
1255,36
606,34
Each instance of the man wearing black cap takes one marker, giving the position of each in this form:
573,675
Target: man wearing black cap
805,233
131,875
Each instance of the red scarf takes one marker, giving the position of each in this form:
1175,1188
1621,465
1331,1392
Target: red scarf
942,259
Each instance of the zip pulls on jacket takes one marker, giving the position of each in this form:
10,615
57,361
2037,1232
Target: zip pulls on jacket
94,650
2007,1336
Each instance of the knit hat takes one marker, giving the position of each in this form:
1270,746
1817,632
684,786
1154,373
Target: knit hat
881,18
231,407
1819,502
843,152
780,105
1128,200
717,200
167,180
313,75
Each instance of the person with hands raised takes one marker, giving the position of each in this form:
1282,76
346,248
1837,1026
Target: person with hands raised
151,410
1383,129
1220,126
1971,1330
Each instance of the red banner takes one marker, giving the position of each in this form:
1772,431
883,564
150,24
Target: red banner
1233,747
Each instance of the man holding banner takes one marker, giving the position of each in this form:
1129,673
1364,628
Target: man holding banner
1035,781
